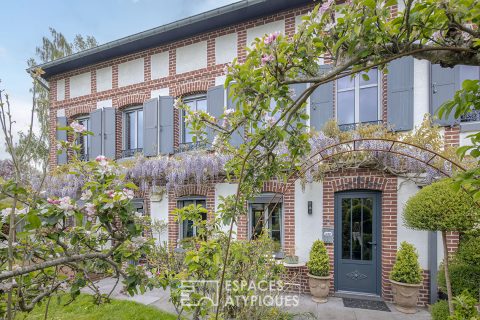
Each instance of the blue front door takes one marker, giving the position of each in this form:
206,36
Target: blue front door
357,242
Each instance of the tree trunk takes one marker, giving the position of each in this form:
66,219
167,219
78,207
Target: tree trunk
447,276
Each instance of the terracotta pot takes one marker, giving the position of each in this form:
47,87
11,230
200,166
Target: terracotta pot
319,288
405,296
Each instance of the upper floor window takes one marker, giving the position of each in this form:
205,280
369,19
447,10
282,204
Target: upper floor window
266,214
133,131
196,103
84,140
358,99
187,229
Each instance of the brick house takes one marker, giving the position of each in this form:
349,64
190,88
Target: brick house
124,92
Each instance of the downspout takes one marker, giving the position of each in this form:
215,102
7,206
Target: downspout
433,266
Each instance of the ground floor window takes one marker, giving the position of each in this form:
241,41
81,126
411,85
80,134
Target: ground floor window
187,229
266,212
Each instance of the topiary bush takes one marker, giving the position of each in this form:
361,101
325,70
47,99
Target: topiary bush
407,268
469,251
319,261
439,310
442,207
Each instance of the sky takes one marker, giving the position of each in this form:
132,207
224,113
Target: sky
23,23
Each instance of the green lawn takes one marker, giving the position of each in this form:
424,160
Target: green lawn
83,308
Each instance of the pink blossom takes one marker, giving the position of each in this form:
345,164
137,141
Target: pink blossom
271,38
77,127
53,201
128,193
267,58
110,193
102,160
66,204
229,112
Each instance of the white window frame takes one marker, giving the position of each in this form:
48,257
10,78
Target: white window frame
180,223
124,126
356,89
195,97
80,120
266,217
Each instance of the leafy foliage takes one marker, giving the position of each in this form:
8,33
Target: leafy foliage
439,310
465,307
439,207
319,261
407,268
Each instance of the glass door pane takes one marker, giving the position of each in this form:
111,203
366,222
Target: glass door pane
357,231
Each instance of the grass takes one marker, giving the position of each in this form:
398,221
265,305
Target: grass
83,308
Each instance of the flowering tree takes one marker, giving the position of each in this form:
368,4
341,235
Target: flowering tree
351,38
51,243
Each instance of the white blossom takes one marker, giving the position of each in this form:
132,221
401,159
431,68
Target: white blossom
86,195
77,127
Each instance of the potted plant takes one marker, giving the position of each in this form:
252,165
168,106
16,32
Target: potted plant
319,272
406,278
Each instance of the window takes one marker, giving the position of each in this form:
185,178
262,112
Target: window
187,229
84,140
196,103
358,100
133,138
266,213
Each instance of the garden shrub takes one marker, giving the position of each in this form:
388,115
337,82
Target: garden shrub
465,308
319,261
462,276
469,251
439,310
407,268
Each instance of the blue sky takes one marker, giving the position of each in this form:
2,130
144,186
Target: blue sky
23,23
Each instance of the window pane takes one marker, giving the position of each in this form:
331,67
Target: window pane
373,78
346,83
131,131
140,129
367,228
346,219
257,221
187,136
368,104
202,105
356,229
346,107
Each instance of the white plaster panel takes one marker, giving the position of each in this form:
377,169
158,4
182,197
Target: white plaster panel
104,79
298,22
160,92
61,90
419,239
191,57
131,72
223,190
159,212
464,141
225,48
220,80
60,113
260,31
104,104
421,90
159,65
308,228
80,85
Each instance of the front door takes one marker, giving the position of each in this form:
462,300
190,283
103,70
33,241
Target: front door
357,242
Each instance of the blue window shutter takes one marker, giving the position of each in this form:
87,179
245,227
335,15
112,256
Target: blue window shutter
400,94
236,139
166,116
215,106
108,130
321,103
298,89
61,136
96,128
150,127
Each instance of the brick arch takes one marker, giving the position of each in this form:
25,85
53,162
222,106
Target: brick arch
78,111
189,88
129,100
364,179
